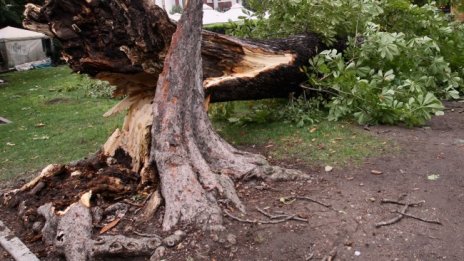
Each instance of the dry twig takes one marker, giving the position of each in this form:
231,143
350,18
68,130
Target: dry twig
258,221
421,219
331,256
391,201
280,216
395,219
313,200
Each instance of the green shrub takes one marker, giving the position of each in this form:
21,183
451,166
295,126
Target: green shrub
402,58
387,79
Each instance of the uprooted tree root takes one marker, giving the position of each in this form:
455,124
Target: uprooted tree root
74,207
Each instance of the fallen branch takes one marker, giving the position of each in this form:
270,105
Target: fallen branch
420,219
391,201
395,219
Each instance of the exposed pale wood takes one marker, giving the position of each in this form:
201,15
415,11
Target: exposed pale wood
49,171
152,205
14,246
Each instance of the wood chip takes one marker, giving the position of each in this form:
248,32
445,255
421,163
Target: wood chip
376,172
110,225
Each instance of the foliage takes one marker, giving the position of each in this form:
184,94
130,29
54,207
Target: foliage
298,111
11,11
428,21
53,120
334,143
388,79
95,88
176,9
402,58
330,19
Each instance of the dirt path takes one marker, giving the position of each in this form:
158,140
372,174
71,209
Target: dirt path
355,194
347,228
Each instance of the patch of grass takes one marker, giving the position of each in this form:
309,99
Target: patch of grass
54,120
332,143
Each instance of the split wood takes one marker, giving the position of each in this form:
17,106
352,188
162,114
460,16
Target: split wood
402,213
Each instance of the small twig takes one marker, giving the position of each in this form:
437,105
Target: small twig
312,200
280,216
317,89
420,219
395,219
145,235
258,221
310,255
331,256
391,201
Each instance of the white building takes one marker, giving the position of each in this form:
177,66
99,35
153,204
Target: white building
222,5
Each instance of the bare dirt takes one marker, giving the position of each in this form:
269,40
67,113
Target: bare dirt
428,166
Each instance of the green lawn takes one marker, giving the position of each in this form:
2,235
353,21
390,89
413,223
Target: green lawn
325,143
57,119
54,121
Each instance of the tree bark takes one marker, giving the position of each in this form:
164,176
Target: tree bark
125,42
196,167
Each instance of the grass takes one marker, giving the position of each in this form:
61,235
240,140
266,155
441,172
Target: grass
54,119
57,119
325,143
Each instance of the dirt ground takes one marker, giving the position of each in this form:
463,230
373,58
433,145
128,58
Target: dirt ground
428,166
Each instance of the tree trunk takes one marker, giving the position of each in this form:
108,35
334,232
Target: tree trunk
167,133
196,167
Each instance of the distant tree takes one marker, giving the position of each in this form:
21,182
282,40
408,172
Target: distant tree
11,11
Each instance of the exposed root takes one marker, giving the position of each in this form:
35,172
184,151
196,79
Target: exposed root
71,234
49,171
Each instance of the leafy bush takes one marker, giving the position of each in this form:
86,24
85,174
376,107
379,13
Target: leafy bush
330,19
177,9
388,79
95,88
299,111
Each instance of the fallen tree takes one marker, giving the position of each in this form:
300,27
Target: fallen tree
126,42
167,145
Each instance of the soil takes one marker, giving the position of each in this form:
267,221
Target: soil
428,166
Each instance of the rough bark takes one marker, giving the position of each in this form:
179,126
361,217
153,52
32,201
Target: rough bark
195,165
125,42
